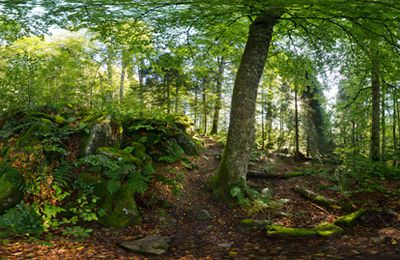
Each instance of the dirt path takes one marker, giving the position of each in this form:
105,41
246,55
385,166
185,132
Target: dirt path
201,227
218,237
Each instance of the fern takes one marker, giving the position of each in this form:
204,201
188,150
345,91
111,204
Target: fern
113,186
138,183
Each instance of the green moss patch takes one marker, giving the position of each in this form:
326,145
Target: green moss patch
324,230
350,219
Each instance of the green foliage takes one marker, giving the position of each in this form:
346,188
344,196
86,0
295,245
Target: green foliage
77,231
23,219
164,138
360,173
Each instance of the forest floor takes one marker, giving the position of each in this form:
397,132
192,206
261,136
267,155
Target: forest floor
218,236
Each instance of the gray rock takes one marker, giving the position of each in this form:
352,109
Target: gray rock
203,215
103,133
251,225
266,193
378,240
150,245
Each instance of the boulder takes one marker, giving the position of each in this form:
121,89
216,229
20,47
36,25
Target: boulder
103,133
148,246
10,192
121,209
252,225
187,144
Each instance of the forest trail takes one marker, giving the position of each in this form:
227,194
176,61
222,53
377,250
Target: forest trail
201,227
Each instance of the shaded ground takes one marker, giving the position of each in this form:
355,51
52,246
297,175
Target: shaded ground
218,237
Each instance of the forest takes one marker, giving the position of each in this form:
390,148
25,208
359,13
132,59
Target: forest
200,129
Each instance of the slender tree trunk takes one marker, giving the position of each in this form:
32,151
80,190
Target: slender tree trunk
108,96
395,141
140,69
353,136
177,88
204,100
218,93
109,67
167,89
195,110
375,127
383,123
122,82
233,167
268,120
296,125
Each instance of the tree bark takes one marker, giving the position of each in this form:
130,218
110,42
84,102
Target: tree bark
140,73
383,124
196,117
375,125
122,82
233,167
205,108
296,125
218,92
395,142
262,120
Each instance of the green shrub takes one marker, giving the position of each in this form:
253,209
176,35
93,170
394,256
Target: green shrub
22,219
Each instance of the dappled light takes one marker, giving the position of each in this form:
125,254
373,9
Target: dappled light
199,129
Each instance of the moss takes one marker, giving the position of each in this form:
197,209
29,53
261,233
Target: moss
59,119
276,230
118,154
138,147
350,219
143,156
10,182
327,230
321,230
247,221
121,209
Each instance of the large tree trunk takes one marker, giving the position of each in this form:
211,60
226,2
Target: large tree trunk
262,120
218,93
375,127
233,167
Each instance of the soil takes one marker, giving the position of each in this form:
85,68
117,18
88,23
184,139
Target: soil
217,236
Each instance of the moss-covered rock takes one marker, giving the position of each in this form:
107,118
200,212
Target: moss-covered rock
324,230
138,147
104,132
10,192
350,219
252,225
120,155
120,207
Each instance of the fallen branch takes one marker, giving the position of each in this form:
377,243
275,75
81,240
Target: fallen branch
268,175
350,219
324,230
321,200
317,198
